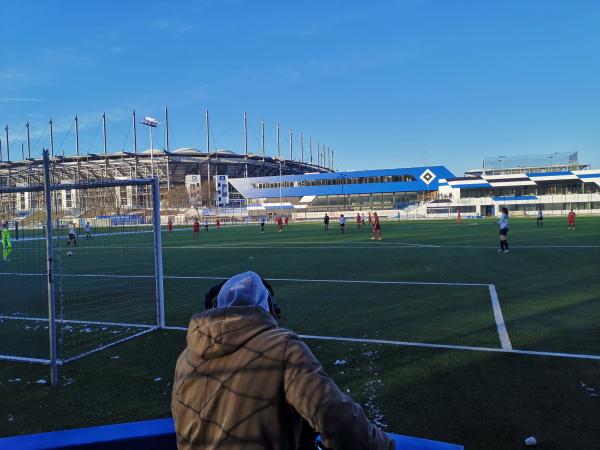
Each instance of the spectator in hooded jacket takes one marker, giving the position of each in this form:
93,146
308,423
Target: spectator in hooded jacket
243,382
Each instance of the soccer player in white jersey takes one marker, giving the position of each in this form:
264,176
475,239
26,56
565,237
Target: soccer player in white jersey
342,222
88,231
503,224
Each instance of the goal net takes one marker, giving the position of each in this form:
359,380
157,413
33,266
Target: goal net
103,284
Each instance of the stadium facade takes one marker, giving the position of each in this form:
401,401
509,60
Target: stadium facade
386,189
264,185
556,183
179,172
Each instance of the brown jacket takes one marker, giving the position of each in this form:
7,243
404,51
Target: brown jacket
245,383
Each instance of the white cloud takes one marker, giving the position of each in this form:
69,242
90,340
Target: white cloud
16,74
20,100
170,26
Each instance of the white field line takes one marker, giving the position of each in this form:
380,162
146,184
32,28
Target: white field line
312,280
299,280
500,325
60,362
357,244
112,344
81,275
367,242
65,237
24,359
274,246
80,322
112,248
284,247
24,274
177,228
347,339
439,346
290,244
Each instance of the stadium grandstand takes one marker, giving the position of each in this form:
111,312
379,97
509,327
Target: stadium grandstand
554,183
309,195
186,175
171,168
255,184
523,184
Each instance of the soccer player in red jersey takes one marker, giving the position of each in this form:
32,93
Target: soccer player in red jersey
458,217
571,219
196,228
279,222
285,221
376,227
218,223
170,226
358,220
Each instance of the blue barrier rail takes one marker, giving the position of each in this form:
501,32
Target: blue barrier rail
158,434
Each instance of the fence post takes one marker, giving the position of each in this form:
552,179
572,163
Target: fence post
50,270
160,292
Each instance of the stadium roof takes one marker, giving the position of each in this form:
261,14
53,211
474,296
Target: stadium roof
338,183
533,160
170,167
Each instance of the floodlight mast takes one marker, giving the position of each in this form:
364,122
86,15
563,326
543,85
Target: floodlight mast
151,123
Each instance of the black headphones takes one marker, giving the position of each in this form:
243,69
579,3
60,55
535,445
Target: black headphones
211,296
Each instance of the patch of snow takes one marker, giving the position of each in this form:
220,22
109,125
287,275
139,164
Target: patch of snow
372,387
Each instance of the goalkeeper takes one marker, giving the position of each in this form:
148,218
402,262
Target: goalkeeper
72,236
6,245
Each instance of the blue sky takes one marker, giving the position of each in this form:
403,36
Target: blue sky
383,83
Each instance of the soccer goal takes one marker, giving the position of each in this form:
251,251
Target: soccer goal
85,273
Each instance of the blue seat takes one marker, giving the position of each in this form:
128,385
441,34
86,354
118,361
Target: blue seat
158,434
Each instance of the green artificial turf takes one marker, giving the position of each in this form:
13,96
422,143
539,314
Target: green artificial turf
548,288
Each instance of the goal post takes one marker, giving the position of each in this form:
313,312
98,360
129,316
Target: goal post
160,289
87,271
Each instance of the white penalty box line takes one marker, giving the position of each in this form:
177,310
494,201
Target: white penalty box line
431,345
215,277
506,346
498,317
141,328
79,322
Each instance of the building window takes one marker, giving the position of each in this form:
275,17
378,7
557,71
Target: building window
335,181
